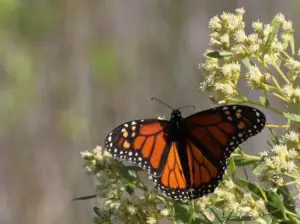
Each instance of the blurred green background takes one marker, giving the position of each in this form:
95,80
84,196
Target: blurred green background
71,70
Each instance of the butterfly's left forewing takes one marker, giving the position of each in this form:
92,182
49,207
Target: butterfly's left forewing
140,141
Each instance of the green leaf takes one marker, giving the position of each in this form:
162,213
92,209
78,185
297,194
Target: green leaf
257,190
181,212
129,189
278,201
232,166
264,101
292,117
241,219
124,172
84,197
219,54
292,44
271,37
244,162
134,168
97,211
104,62
288,200
258,170
247,62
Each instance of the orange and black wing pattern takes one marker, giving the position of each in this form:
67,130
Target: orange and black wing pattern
186,157
141,142
195,166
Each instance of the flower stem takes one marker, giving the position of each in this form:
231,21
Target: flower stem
192,214
267,107
277,126
281,73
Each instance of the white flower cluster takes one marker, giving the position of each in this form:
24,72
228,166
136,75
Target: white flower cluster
236,201
280,163
97,157
265,47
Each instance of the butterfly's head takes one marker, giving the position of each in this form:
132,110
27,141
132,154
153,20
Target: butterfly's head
176,115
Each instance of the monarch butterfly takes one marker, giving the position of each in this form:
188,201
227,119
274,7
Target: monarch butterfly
186,157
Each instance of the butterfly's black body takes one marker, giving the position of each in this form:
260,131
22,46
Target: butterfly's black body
186,157
175,131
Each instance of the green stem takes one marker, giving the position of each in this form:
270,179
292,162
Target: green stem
192,214
292,176
277,126
292,214
217,216
205,217
281,73
286,54
246,156
267,107
280,97
276,83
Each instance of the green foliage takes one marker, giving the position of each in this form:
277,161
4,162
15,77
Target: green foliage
263,61
103,61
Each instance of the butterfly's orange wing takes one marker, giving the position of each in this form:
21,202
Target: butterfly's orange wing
210,137
142,142
193,163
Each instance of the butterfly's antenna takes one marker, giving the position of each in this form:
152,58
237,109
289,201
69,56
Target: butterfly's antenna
154,98
192,106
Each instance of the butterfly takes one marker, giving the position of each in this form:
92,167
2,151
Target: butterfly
186,157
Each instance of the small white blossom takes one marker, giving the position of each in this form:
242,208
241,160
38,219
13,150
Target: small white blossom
225,40
291,93
255,78
226,89
232,21
291,136
203,203
267,30
293,65
231,70
288,90
290,166
254,43
280,149
131,209
238,49
240,36
292,154
277,46
240,11
214,42
280,18
151,220
215,23
257,26
85,154
297,93
229,184
287,26
263,154
286,37
165,212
